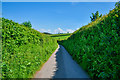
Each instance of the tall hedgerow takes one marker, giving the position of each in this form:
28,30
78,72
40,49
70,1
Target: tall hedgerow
96,46
24,50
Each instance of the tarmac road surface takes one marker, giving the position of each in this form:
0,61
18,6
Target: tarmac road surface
61,65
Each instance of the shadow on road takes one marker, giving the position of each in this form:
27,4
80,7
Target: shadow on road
60,73
67,68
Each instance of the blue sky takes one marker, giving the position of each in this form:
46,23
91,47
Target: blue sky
54,16
59,0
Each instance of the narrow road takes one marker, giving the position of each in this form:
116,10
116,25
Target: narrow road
61,65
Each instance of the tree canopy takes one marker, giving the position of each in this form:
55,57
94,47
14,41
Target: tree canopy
95,16
27,24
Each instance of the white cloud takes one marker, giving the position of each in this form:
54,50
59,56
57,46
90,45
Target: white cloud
59,30
44,30
49,30
55,31
70,30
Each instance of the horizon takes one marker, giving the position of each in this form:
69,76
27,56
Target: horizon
54,17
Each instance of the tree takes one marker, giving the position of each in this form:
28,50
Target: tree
27,24
95,16
46,33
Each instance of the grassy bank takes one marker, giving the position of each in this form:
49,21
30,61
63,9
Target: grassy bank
96,46
24,50
60,36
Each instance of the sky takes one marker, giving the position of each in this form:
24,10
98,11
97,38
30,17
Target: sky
59,0
54,17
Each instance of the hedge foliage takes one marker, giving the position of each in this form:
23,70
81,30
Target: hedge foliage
24,50
96,46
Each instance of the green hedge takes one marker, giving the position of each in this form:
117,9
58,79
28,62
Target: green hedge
24,50
96,46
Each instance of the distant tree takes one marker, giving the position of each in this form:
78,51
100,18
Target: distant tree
60,33
27,24
46,33
95,16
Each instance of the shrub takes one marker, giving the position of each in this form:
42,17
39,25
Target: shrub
24,50
95,47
